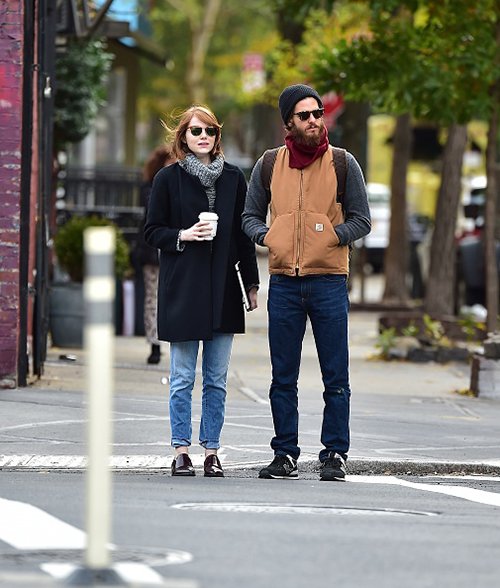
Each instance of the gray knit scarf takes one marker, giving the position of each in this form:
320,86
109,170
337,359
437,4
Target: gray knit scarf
207,174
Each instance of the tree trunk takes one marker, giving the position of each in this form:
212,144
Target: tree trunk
396,254
439,297
491,203
202,22
489,227
351,131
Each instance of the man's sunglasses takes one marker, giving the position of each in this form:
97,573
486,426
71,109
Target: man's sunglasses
305,114
196,131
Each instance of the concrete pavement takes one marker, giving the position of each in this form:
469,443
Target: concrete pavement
406,418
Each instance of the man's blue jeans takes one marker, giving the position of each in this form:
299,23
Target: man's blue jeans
324,300
215,364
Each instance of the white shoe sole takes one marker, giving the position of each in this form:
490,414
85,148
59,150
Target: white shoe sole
271,477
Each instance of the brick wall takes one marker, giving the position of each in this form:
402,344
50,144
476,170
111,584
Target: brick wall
11,69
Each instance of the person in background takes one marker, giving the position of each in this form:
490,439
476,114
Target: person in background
199,297
147,257
310,231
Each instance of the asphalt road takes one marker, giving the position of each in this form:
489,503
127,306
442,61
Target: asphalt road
377,531
383,531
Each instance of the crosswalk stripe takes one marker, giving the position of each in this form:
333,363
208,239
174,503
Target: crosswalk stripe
25,526
80,461
471,494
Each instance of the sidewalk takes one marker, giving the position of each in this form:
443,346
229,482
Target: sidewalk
406,418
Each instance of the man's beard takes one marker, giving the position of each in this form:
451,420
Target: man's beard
301,137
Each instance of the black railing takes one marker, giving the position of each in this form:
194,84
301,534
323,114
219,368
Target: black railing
110,192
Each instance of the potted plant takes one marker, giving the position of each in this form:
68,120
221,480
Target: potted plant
66,296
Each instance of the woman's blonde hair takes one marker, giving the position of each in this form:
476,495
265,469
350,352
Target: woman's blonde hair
178,134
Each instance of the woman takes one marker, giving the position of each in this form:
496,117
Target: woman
199,298
147,257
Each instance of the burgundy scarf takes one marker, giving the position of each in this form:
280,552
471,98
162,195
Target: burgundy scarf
302,155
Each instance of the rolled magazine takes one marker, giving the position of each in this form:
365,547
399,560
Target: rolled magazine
244,294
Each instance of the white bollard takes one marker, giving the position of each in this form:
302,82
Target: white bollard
98,334
99,295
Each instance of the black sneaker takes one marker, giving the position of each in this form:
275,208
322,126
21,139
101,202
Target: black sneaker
333,468
282,466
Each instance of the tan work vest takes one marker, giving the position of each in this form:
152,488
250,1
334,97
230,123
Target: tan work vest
304,210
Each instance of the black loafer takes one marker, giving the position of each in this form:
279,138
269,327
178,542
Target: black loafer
212,467
182,466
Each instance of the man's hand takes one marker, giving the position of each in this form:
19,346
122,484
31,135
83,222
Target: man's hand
252,297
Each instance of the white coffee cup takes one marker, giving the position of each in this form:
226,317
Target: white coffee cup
212,218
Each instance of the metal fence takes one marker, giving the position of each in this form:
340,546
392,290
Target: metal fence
110,192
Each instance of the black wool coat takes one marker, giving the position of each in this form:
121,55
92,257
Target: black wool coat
198,290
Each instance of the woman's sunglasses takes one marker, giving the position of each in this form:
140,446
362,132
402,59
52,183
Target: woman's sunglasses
305,114
196,131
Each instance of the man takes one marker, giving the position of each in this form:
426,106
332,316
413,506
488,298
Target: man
308,240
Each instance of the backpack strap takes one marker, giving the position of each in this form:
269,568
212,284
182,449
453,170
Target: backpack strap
266,172
339,158
340,163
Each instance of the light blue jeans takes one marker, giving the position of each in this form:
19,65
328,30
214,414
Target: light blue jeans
215,364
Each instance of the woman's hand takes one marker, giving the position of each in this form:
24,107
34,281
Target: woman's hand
198,232
252,297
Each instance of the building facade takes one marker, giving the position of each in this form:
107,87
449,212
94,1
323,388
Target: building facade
26,66
12,229
30,32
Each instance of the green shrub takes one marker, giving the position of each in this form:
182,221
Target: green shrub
411,330
471,326
434,332
82,70
386,341
68,245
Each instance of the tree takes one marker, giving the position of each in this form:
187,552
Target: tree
292,16
266,27
206,42
395,259
210,72
81,75
492,189
440,285
463,63
375,65
202,19
303,27
418,58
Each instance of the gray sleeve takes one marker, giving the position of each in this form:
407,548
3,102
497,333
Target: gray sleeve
357,221
256,205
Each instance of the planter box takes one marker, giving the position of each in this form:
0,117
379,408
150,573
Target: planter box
66,314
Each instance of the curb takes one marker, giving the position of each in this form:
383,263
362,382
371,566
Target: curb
161,465
386,467
408,467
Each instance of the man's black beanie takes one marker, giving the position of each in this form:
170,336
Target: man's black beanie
293,94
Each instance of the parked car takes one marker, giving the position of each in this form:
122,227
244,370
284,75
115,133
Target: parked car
379,200
376,242
471,215
471,272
